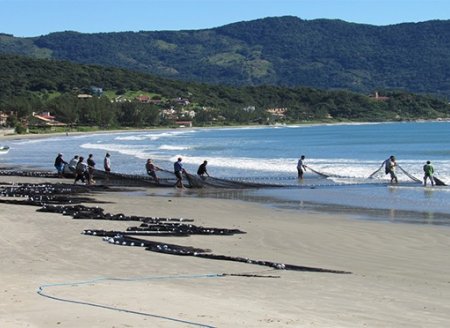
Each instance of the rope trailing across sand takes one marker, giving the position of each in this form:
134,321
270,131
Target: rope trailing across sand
41,291
150,226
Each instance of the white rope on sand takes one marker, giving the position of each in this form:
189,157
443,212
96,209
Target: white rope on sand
41,292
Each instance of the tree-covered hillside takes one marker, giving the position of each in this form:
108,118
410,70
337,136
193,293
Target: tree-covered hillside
283,51
137,99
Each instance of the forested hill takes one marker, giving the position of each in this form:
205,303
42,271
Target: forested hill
283,51
34,85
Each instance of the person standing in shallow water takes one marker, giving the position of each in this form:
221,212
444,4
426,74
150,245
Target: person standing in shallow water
301,167
179,170
202,169
107,165
389,168
429,171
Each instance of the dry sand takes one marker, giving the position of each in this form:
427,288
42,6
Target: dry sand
401,272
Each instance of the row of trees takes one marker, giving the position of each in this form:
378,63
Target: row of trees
29,85
302,107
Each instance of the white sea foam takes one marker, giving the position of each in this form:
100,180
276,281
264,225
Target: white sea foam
131,138
311,125
171,147
36,141
135,151
241,128
154,136
340,170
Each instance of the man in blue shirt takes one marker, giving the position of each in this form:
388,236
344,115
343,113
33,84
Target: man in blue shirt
178,169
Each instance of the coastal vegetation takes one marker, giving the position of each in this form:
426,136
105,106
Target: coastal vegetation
282,51
84,95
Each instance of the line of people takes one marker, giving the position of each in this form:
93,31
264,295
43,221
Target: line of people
83,171
390,166
178,170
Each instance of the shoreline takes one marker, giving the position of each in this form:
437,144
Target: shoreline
381,215
125,130
33,136
313,196
399,272
268,198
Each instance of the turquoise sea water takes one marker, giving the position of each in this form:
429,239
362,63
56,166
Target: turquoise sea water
347,152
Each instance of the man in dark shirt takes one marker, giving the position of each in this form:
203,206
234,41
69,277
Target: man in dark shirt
151,169
91,168
59,165
202,169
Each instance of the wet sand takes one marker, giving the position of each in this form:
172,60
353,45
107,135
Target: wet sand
399,271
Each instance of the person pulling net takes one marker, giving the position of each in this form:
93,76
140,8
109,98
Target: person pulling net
428,171
390,166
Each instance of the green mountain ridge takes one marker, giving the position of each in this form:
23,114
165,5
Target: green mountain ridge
280,51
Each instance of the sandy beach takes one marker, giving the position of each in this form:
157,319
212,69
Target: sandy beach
400,272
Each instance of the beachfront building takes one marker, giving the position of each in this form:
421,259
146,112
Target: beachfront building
184,124
279,113
4,117
44,119
84,96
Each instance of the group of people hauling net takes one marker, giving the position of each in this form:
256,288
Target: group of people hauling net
390,166
81,170
85,172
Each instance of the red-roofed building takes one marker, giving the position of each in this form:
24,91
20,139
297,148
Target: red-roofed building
44,119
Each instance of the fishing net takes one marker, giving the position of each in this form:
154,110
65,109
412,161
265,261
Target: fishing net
168,179
165,178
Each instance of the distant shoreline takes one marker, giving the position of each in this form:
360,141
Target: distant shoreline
52,134
57,134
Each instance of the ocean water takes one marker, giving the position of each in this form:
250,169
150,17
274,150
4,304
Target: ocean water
348,153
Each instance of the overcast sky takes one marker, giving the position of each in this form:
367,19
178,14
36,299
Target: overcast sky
38,17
